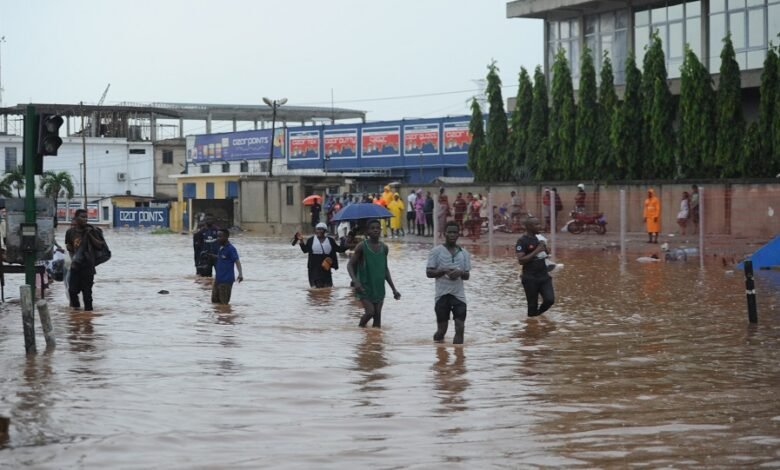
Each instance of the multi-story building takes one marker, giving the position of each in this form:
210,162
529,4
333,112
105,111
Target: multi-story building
622,26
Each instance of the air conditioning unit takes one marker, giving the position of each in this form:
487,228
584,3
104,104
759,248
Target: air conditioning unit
121,176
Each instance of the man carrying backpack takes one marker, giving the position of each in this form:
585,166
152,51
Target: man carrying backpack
87,249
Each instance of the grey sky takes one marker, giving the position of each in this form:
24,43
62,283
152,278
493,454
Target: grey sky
235,51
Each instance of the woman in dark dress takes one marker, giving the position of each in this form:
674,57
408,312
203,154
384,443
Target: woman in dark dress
322,256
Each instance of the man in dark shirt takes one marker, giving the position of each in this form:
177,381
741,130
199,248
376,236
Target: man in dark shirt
82,268
531,253
208,238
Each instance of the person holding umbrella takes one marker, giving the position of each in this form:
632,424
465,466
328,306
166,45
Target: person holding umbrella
314,201
322,256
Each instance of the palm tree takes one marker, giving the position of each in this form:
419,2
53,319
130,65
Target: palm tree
15,179
53,183
5,189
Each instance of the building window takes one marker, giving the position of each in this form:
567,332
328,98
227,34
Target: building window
244,167
137,151
226,168
205,168
753,23
167,157
231,189
677,24
105,213
189,190
564,35
10,159
290,199
608,32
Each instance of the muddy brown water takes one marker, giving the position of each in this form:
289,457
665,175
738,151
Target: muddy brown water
650,365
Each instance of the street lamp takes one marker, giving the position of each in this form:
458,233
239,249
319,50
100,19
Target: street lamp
274,104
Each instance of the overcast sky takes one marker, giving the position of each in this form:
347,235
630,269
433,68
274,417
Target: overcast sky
236,52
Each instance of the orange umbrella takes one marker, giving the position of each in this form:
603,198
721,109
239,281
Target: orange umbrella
310,199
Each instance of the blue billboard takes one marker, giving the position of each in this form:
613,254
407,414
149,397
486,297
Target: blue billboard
141,217
233,146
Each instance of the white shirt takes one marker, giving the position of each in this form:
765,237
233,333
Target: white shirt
412,198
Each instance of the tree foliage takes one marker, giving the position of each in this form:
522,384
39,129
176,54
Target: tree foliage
562,120
53,183
477,145
627,127
605,166
15,179
730,123
521,116
751,151
697,134
587,131
497,164
657,114
768,164
536,160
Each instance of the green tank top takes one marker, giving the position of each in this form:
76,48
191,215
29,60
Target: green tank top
371,273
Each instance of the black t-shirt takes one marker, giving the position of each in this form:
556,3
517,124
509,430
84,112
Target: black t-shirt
535,268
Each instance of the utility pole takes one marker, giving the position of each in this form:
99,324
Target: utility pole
83,159
2,40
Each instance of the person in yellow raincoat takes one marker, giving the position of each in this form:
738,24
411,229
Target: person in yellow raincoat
652,216
387,198
396,207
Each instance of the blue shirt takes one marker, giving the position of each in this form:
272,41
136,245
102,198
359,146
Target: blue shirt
226,258
210,243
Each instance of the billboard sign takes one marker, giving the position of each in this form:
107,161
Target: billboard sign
381,142
340,143
248,145
141,217
421,139
456,137
304,145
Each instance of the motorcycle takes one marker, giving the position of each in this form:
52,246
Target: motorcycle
582,222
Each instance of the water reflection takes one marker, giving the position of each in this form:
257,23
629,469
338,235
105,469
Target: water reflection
370,361
30,415
319,298
450,379
81,331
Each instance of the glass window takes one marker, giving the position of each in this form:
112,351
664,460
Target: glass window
676,12
737,28
290,198
774,23
244,167
673,70
167,157
693,9
756,30
693,35
553,30
564,29
205,168
716,6
621,19
755,59
676,40
10,159
717,33
618,56
575,28
736,4
590,24
755,3
574,63
641,18
226,168
607,22
661,28
658,15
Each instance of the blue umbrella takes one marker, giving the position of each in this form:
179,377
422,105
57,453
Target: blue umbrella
362,211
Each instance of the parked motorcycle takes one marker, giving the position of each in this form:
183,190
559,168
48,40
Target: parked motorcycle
582,222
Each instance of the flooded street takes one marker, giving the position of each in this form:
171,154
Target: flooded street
655,366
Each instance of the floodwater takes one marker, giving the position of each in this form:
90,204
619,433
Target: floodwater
651,366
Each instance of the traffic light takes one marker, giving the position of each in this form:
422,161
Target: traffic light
49,134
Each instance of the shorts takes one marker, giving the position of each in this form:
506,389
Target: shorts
220,293
410,216
449,303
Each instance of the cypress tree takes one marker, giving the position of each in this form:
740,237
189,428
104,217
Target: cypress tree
497,132
751,151
626,129
730,122
657,113
586,147
521,116
476,147
605,167
697,105
562,119
776,129
768,165
536,160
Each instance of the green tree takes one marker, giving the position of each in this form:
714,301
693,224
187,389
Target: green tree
776,130
476,147
751,151
730,123
586,147
768,164
536,159
497,131
521,116
657,114
15,179
563,120
53,183
605,166
626,131
697,111
5,189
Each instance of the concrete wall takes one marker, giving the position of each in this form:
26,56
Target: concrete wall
165,187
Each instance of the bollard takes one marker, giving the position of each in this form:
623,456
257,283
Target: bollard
28,317
43,314
750,290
